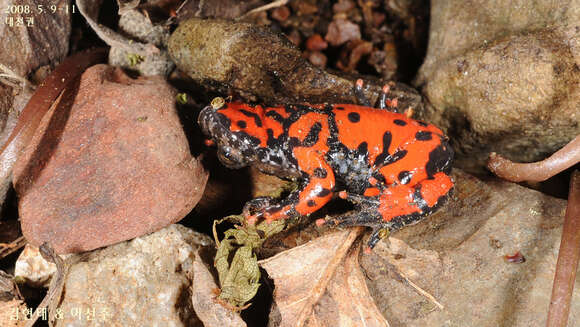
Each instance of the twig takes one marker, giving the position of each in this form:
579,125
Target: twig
273,4
567,259
7,73
415,286
421,291
56,284
7,249
536,171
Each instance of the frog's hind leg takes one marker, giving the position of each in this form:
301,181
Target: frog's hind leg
362,218
360,95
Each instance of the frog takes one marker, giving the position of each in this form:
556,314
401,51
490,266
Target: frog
394,169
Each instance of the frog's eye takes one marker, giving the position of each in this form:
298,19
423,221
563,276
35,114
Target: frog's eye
217,103
228,159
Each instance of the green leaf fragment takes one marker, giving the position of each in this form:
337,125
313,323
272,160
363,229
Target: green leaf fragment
135,59
236,261
181,98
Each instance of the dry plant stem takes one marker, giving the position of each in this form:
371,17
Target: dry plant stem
42,100
7,73
567,259
7,249
320,288
536,171
415,286
273,4
422,291
56,284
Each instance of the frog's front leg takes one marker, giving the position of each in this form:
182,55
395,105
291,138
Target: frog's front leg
315,191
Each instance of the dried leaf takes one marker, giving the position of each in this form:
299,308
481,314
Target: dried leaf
302,275
207,309
347,301
238,280
110,37
8,288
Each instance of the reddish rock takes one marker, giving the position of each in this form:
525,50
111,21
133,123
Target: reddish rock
343,6
317,58
294,37
281,13
341,31
112,166
316,43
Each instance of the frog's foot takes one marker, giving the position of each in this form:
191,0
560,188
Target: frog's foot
379,232
254,209
384,101
360,95
360,218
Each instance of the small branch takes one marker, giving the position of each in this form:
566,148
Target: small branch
7,249
567,259
536,171
56,284
273,4
7,74
418,289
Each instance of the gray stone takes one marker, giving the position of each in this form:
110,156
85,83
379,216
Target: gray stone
503,76
143,282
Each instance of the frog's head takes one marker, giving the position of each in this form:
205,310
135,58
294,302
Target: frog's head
236,147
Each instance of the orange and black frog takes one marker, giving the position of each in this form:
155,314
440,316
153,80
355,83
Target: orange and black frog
393,168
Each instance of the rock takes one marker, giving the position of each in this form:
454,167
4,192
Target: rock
33,268
341,31
144,282
229,57
110,164
45,41
458,256
137,25
503,76
12,313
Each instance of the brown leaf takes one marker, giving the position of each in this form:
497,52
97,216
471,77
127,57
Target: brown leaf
208,310
143,51
347,301
110,37
302,275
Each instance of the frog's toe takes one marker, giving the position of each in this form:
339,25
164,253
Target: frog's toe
379,233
